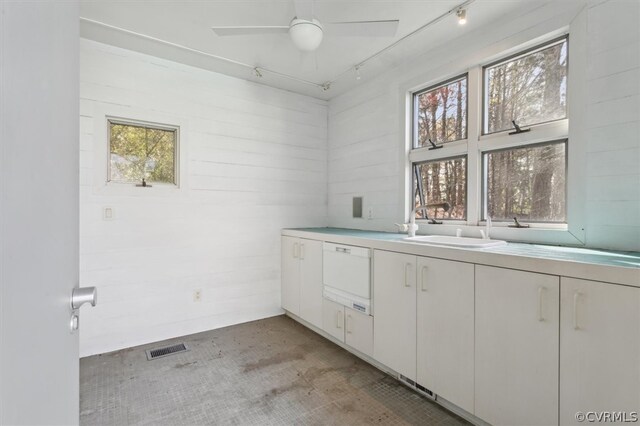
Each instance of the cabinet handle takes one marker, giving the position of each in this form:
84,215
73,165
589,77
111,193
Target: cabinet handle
295,250
347,328
338,325
576,296
301,251
541,291
406,275
422,278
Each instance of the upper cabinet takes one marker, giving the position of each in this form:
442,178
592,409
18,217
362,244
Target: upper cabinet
599,349
445,329
394,308
516,347
302,278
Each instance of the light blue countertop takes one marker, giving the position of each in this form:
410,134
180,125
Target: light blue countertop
573,254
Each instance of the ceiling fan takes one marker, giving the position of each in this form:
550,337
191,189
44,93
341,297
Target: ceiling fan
306,31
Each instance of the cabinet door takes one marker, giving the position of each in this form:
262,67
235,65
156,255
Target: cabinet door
291,275
311,281
517,347
333,319
359,331
445,334
599,349
394,298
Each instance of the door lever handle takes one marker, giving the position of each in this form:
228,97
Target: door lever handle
82,295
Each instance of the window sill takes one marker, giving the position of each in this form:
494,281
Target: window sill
554,234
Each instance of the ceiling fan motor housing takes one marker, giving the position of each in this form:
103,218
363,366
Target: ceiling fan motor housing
305,34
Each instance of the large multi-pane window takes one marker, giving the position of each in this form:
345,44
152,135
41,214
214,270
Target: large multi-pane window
441,113
140,151
518,146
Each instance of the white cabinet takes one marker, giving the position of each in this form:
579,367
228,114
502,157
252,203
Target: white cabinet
516,347
333,319
394,299
348,326
290,248
599,349
358,330
445,330
302,278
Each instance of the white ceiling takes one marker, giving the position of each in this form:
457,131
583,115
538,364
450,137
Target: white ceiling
181,31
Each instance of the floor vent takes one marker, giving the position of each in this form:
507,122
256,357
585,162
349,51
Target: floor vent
167,350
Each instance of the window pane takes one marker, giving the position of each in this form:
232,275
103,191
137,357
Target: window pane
442,186
530,89
138,152
441,114
528,183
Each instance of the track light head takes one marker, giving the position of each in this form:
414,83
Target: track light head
462,16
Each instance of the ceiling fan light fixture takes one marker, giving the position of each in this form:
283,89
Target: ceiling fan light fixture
462,16
306,35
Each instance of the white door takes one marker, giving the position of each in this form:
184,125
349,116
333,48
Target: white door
394,322
445,334
517,347
311,281
39,148
599,349
291,274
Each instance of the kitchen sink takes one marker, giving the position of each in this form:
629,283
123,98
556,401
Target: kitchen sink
450,241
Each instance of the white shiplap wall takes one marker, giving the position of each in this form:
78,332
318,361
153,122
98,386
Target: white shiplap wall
613,125
366,136
253,160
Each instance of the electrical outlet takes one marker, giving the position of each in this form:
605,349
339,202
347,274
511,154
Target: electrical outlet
370,213
108,213
197,295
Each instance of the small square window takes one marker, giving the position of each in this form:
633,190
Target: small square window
140,151
527,183
441,185
529,89
441,113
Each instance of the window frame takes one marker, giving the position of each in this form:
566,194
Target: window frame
478,143
147,125
466,193
484,180
414,108
519,54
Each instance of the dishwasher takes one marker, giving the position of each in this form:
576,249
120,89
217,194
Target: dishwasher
346,272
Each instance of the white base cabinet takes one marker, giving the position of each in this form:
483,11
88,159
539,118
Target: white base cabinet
508,346
348,326
599,349
516,347
358,329
394,304
445,344
302,278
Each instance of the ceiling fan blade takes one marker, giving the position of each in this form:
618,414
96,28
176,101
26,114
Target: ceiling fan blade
304,8
386,28
250,30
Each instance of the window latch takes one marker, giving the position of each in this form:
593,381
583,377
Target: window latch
517,224
518,129
433,145
144,184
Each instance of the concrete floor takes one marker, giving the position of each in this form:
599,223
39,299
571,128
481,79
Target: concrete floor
266,372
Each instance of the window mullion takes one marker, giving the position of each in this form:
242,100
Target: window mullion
474,119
